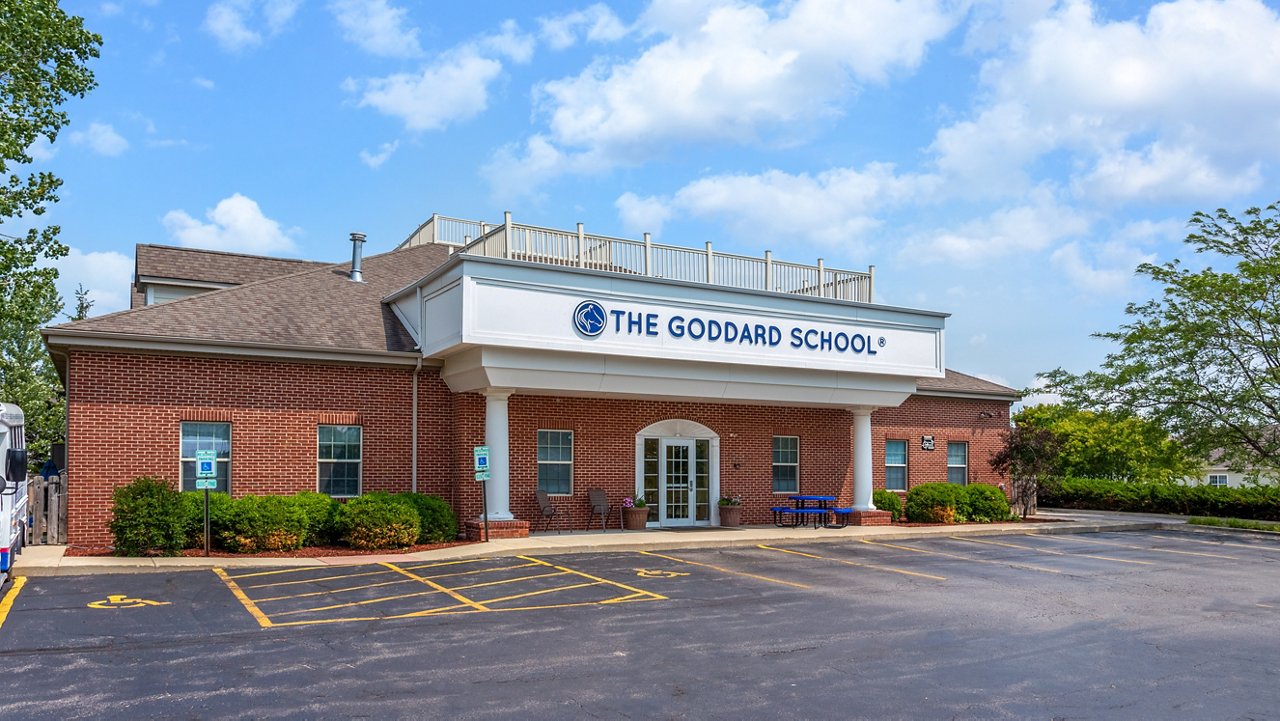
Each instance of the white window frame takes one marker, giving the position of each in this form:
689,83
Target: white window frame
537,443
773,466
906,458
184,459
1215,477
358,461
966,461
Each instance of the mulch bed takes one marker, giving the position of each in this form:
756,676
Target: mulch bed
307,552
905,524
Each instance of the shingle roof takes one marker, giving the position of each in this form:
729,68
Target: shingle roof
318,308
957,382
214,266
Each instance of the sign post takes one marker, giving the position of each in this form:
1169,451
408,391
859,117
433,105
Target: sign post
206,479
481,456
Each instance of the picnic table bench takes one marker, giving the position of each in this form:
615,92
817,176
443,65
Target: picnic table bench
802,514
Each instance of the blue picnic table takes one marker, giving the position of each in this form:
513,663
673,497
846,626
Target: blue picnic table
802,514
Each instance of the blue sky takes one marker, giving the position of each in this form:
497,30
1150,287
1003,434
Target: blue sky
1009,162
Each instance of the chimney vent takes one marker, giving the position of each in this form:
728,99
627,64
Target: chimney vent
357,243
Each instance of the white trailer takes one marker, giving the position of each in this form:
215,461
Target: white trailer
13,485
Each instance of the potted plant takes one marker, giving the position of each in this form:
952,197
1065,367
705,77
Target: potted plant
730,511
635,513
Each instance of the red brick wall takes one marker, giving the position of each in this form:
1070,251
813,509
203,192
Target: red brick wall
125,412
946,419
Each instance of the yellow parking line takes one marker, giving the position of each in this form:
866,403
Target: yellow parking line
960,557
1052,553
855,563
338,577
456,596
507,580
544,591
726,570
596,578
249,605
330,568
1140,548
480,570
7,602
1250,546
352,604
335,590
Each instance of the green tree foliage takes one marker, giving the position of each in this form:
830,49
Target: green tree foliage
1028,457
43,61
1101,444
1203,359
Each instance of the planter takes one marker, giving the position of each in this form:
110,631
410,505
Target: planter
634,519
730,516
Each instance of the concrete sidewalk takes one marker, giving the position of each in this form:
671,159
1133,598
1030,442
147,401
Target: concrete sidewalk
51,561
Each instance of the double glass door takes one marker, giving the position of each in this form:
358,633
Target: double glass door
677,481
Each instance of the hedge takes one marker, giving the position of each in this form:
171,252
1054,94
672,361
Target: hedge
887,501
1260,503
437,522
986,504
147,518
953,503
378,520
264,523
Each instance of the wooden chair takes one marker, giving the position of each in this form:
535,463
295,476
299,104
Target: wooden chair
549,511
599,504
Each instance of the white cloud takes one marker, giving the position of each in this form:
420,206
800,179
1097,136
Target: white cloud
1030,227
240,24
452,89
516,45
41,150
1180,104
106,275
109,9
375,160
642,215
833,207
1039,396
980,340
236,223
733,73
205,83
1107,267
101,138
596,23
377,27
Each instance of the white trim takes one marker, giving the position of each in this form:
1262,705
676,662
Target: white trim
359,461
123,341
773,447
966,461
231,449
181,283
683,429
573,453
905,465
971,395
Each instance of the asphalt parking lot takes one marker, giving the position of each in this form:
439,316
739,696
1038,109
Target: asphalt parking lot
1140,625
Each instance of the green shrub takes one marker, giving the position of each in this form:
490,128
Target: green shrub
1236,523
193,515
985,504
378,520
936,503
1256,502
321,512
436,520
147,517
888,501
264,523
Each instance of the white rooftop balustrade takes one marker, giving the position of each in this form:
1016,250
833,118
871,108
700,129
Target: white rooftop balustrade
514,241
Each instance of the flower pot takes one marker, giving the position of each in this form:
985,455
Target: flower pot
634,519
730,516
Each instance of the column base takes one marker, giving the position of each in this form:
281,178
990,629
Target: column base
474,530
871,518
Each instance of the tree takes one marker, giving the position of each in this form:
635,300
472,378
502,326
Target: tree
83,303
1203,359
1027,458
1107,444
43,62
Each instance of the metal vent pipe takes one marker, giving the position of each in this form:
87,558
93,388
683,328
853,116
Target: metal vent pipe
357,244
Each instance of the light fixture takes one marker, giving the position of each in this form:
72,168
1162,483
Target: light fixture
985,414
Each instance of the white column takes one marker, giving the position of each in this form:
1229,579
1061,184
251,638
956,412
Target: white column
862,461
497,437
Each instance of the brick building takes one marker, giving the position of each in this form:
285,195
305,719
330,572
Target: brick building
581,361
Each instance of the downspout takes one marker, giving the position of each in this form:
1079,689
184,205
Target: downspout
413,462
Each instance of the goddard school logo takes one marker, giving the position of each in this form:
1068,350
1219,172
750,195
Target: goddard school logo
589,318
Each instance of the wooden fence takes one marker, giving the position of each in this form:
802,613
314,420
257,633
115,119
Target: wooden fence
47,508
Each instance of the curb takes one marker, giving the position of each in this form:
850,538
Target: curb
92,565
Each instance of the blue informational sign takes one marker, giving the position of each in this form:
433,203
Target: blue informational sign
206,464
481,455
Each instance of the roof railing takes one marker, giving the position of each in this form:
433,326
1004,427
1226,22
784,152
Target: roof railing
579,249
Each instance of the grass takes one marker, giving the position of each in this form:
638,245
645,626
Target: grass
1235,523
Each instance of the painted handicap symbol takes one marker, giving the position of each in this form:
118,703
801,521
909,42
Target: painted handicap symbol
119,600
657,573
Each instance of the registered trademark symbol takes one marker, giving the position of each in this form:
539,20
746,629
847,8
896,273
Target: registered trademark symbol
881,341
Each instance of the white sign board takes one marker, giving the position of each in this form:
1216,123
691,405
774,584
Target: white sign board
557,318
481,456
206,464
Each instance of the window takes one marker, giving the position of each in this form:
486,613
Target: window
339,455
214,437
555,462
786,464
1218,480
895,465
958,463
